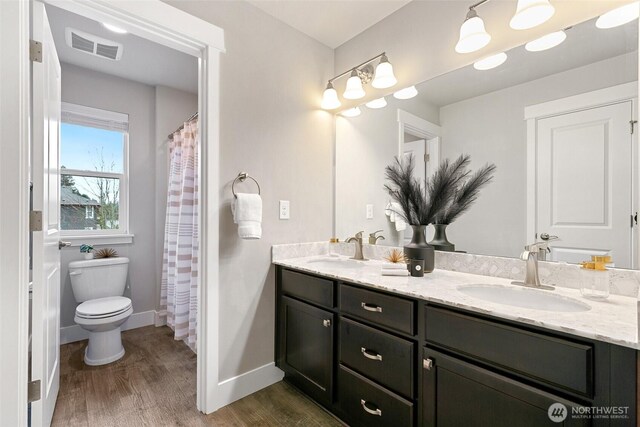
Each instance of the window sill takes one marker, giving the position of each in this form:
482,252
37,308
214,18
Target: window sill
98,239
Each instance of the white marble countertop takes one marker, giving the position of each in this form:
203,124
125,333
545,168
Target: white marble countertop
614,320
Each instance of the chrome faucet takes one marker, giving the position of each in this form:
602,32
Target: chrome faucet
373,239
530,255
358,241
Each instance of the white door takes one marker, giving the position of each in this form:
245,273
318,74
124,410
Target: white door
584,183
418,149
46,101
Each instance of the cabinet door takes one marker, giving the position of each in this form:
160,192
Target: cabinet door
306,348
457,393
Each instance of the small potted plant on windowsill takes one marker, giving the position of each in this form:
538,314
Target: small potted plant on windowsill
87,250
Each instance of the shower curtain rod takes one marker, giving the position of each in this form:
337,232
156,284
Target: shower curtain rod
170,136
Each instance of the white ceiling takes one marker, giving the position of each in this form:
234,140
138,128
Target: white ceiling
142,60
585,44
330,22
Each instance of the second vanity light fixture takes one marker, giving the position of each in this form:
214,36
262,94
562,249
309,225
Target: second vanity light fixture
529,14
381,78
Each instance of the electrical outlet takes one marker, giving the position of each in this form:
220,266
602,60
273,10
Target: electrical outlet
284,209
369,211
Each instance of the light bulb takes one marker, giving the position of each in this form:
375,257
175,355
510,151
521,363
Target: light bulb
351,112
531,13
406,93
114,28
546,42
490,62
384,77
377,103
473,35
354,88
330,99
619,16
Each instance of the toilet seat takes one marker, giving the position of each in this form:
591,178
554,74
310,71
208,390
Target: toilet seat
103,308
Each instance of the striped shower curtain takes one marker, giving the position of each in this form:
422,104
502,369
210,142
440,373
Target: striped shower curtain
179,286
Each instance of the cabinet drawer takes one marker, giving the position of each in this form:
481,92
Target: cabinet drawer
382,357
545,359
364,403
393,312
310,288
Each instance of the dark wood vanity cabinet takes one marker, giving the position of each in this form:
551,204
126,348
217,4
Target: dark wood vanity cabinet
375,358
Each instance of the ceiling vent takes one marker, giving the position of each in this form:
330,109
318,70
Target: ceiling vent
93,45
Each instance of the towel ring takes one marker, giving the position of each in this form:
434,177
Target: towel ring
242,176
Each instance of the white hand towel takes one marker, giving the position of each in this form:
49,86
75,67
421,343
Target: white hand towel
393,210
394,272
247,213
401,225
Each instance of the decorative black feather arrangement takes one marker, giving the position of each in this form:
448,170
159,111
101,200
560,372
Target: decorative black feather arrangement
444,197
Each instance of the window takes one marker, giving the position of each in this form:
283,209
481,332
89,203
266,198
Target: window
93,171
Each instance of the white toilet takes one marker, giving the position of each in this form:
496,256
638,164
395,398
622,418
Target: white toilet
98,284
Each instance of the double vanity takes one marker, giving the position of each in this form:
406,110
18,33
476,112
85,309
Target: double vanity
450,348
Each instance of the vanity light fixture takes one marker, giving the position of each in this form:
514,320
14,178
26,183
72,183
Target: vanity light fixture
380,78
531,13
406,93
619,16
330,99
114,28
377,103
351,112
546,42
473,35
354,88
490,62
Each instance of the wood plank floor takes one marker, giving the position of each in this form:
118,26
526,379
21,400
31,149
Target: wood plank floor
154,384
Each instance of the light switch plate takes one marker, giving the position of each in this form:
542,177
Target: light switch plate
369,211
284,209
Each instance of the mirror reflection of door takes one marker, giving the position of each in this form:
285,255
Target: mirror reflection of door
584,183
416,147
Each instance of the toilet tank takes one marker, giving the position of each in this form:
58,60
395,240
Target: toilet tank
98,278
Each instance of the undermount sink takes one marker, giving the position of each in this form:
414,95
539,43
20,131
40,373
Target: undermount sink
336,263
524,297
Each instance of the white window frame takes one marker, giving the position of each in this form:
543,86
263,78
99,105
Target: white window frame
90,212
109,120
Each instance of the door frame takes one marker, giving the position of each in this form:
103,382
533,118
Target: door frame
584,101
417,126
160,23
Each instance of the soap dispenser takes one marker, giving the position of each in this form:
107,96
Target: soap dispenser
594,283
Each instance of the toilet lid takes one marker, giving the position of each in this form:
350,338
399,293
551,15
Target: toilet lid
103,307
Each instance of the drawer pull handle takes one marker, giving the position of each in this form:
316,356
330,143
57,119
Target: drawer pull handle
326,323
371,355
376,412
427,364
369,307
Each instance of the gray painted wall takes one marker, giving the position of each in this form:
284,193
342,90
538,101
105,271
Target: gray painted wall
93,89
272,79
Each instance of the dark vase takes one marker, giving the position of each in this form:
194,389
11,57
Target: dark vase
420,249
440,241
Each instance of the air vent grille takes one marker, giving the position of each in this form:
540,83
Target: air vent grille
110,52
81,43
93,45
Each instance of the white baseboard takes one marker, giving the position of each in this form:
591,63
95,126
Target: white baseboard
160,318
75,333
243,385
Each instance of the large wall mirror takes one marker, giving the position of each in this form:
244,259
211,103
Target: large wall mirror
557,124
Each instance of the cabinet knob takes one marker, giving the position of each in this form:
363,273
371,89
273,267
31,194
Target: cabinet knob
370,354
427,364
371,307
376,412
326,323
